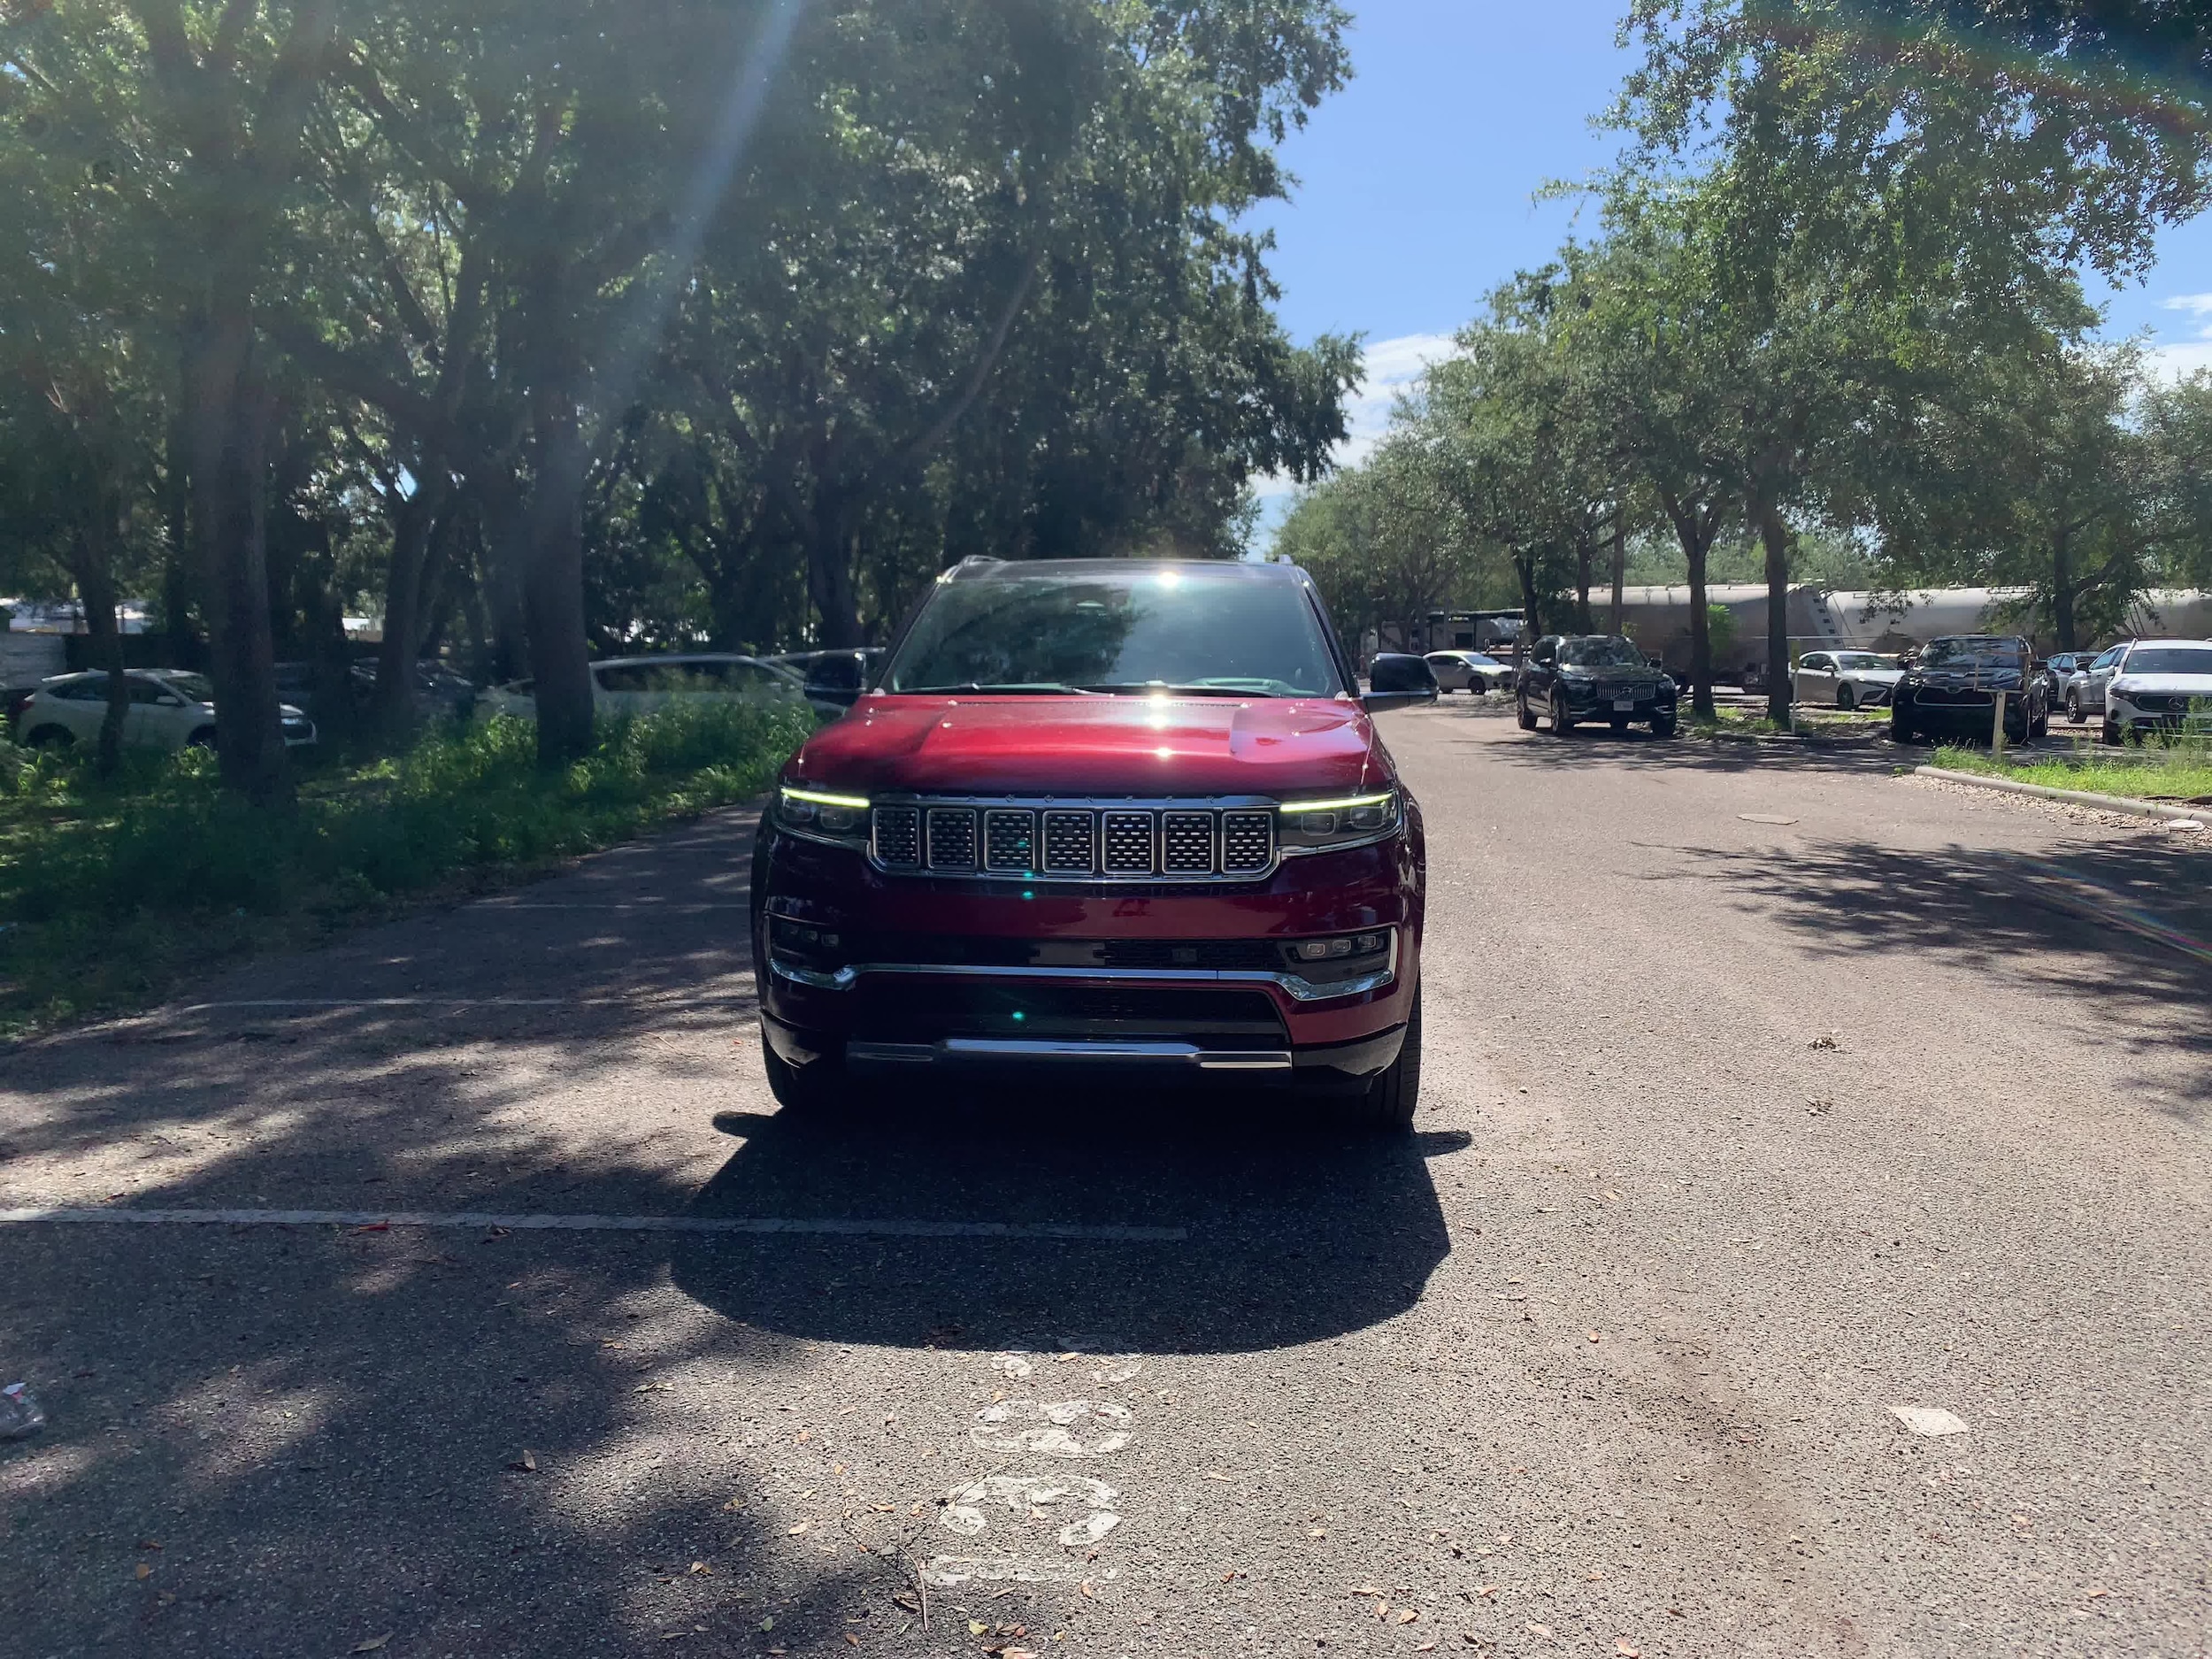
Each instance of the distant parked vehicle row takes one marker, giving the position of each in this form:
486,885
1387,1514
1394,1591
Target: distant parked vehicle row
170,709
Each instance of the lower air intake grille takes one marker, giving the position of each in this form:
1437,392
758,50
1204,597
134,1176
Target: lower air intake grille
1128,843
1070,844
1248,840
1009,840
951,838
899,836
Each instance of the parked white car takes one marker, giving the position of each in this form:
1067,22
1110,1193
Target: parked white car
2159,685
170,709
1470,671
1846,680
637,685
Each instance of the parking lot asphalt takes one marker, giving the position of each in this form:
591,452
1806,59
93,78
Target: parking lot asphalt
479,1303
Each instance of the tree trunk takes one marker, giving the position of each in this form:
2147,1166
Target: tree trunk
1531,607
1620,569
229,437
2063,589
1693,530
553,586
1583,549
829,576
414,531
1774,535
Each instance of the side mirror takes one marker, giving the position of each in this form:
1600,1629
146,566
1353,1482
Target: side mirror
1398,681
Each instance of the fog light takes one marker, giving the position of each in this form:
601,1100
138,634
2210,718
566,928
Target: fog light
1318,823
1311,949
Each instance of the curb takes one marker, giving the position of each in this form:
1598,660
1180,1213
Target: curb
2073,797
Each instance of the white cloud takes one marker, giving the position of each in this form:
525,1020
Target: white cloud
2184,357
1392,366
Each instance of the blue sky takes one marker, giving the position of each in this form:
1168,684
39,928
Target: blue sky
1415,182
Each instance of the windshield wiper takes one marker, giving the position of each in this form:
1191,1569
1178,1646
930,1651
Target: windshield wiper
1048,688
1154,687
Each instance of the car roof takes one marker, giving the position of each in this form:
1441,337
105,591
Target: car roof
2131,644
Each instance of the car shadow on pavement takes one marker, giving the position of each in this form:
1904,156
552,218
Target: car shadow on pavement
1290,1233
2128,924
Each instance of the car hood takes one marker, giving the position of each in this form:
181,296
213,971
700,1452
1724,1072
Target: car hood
1095,746
1646,675
1872,676
2180,684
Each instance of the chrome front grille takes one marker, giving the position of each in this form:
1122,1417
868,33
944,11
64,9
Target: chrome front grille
1106,842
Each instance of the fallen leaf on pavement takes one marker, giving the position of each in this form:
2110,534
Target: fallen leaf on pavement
144,1572
1408,1616
800,1528
375,1227
1626,1651
851,1640
372,1644
527,1465
1490,1590
2095,1594
1368,1589
977,1627
1592,1335
1426,1647
768,1624
1535,1629
699,1570
149,1543
735,1504
1317,1532
1085,1587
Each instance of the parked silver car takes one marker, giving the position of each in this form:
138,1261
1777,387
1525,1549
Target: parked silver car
170,709
2085,687
1847,680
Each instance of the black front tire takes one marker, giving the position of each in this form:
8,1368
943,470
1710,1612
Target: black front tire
2074,714
51,737
1662,726
1387,1105
2110,732
1562,722
1847,699
1901,729
809,1089
1525,715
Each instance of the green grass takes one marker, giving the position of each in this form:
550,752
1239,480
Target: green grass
112,892
2181,772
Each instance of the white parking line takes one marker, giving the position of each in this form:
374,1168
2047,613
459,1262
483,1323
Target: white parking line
608,904
98,1214
443,1002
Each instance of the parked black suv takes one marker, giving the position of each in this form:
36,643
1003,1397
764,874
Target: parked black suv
1594,677
1951,688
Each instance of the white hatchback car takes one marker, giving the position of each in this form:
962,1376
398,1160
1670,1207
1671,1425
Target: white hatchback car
2159,685
637,685
170,709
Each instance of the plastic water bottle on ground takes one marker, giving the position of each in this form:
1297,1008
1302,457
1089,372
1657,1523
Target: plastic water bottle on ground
19,1415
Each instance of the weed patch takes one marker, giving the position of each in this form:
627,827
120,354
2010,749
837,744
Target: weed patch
111,891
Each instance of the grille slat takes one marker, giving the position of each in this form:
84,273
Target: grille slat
1009,840
1070,844
951,838
1128,843
1187,843
899,836
1247,841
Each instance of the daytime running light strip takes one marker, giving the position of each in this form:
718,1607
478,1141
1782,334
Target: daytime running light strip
1347,804
815,798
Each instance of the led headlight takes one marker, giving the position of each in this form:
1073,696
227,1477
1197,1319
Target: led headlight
1315,826
840,819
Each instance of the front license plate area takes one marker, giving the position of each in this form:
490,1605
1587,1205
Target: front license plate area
1624,705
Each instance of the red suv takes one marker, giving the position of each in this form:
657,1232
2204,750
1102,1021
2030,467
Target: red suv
1114,815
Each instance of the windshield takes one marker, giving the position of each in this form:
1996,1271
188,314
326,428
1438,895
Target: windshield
199,687
1478,660
1862,659
1961,654
1117,629
1600,650
2168,659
